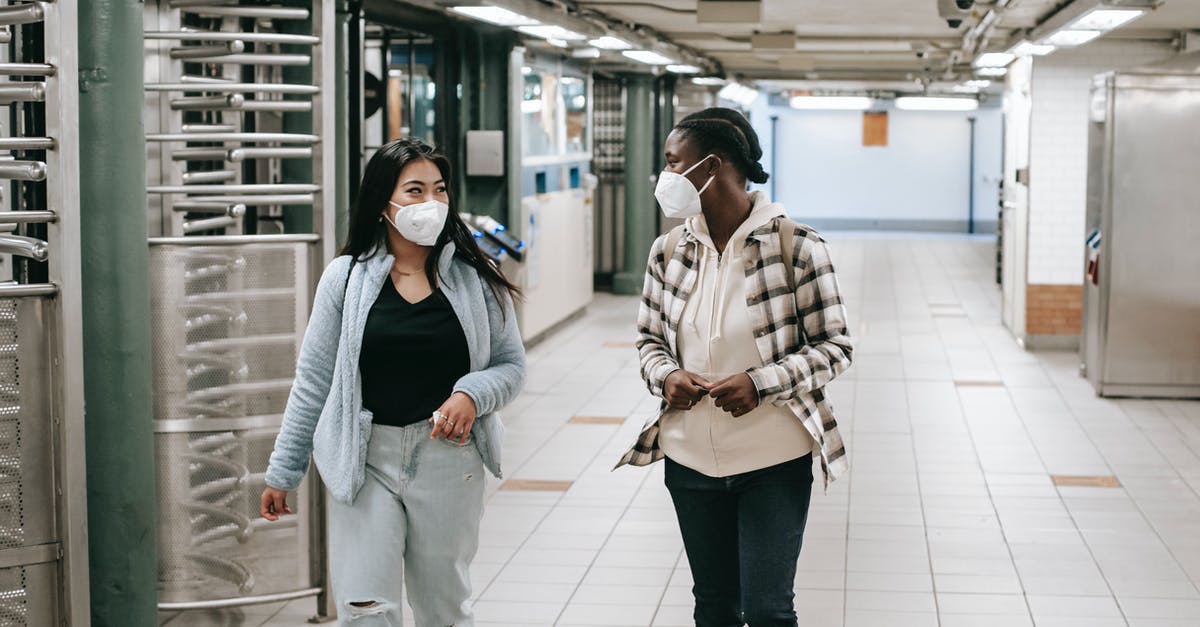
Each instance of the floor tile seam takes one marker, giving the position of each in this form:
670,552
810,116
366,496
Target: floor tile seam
1136,504
560,427
992,499
658,606
611,532
550,510
1037,451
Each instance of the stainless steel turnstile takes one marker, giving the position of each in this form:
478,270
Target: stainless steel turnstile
43,513
238,104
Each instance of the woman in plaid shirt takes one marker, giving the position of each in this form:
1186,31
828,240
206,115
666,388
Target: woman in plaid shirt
741,326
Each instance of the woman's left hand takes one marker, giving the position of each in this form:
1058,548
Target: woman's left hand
458,416
736,395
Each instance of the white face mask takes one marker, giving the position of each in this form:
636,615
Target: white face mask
677,196
421,223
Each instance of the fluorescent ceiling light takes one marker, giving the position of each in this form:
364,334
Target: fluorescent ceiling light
608,42
708,80
1070,38
496,15
842,103
550,31
926,103
683,69
981,84
738,93
964,89
1026,49
994,72
558,42
1106,19
994,59
649,57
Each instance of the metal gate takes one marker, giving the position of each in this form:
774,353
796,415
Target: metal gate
239,101
608,162
43,516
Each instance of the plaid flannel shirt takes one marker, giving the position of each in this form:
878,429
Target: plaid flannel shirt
802,337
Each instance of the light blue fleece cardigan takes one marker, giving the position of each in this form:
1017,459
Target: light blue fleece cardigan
324,414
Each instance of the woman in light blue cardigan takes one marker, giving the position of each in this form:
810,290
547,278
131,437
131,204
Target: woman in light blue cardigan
411,349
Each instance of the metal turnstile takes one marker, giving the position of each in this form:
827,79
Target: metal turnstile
238,104
43,513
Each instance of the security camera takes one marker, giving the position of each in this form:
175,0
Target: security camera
953,11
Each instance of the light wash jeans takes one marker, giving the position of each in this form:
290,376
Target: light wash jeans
416,522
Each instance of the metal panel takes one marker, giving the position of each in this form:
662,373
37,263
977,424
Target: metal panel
1150,238
43,510
232,294
227,325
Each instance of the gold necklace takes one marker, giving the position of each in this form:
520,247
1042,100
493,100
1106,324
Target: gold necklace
403,273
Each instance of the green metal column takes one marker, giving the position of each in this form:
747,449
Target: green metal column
342,129
116,316
640,221
298,218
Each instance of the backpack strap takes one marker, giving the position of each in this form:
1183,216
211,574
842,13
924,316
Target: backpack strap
673,237
787,239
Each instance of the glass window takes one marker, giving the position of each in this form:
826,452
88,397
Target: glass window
540,109
575,104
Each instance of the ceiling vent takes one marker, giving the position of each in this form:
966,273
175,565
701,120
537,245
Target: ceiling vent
740,11
773,41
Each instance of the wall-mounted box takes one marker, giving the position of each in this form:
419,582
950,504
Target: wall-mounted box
485,153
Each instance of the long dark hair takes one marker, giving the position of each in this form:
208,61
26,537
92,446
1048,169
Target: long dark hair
368,233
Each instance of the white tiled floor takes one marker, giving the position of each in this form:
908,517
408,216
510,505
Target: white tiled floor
948,518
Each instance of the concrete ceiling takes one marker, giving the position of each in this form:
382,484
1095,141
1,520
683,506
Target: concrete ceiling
858,40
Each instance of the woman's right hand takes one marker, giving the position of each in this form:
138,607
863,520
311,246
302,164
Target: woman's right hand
273,504
683,389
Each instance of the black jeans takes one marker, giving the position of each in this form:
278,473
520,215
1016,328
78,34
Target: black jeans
742,535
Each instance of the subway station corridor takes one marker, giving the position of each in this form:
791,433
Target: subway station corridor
989,486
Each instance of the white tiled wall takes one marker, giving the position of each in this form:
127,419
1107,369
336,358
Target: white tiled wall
1058,152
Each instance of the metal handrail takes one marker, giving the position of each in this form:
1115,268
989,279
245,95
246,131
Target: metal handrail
263,38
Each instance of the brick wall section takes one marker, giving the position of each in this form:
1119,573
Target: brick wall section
1053,309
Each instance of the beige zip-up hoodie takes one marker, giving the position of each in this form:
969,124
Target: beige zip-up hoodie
716,340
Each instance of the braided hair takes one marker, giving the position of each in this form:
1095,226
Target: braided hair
728,133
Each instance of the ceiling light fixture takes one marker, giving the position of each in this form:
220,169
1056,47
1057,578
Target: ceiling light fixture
1028,49
831,103
708,81
551,31
993,72
738,93
495,15
994,59
683,69
608,42
1103,19
649,57
928,103
1071,38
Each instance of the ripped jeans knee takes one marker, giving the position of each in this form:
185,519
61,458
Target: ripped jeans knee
369,613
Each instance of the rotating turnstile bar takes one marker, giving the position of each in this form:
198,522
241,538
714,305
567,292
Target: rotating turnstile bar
23,170
261,88
282,138
208,7
199,53
263,38
26,69
22,14
255,59
22,92
29,247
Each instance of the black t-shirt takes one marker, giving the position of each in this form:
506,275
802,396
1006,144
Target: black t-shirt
412,355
